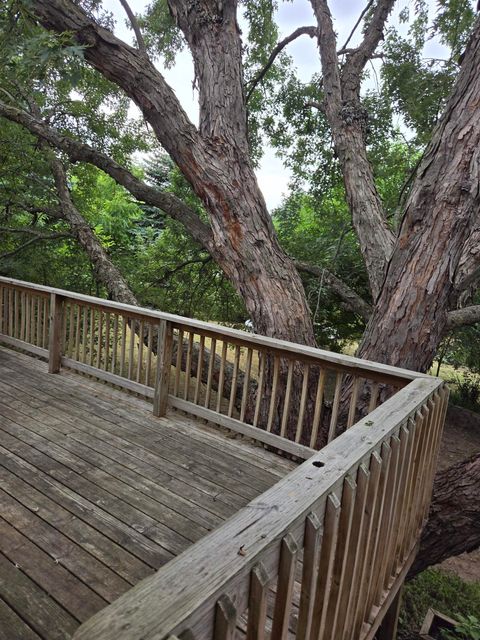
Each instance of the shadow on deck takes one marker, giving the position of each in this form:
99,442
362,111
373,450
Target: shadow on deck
96,493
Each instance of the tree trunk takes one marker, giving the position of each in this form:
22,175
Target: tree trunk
410,315
213,159
453,525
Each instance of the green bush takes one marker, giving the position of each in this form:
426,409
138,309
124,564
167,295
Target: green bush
442,591
468,628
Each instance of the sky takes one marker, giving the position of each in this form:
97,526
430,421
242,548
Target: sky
273,177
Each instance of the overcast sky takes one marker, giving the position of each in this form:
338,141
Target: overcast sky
272,175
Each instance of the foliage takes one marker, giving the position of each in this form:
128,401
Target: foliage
468,628
161,262
465,391
319,232
442,591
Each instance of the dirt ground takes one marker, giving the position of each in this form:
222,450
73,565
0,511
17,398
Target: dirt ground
460,440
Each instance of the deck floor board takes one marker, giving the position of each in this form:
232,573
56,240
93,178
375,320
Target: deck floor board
96,493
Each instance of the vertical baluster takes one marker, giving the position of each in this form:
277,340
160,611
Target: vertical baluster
148,364
21,312
303,402
10,313
401,507
257,603
221,378
131,346
198,381
113,368
273,397
38,340
261,374
286,580
318,408
373,397
123,344
107,341
140,351
311,550
353,551
341,555
45,314
374,534
27,316
211,365
335,407
2,308
327,556
78,325
92,336
178,363
70,342
378,557
188,366
356,593
100,339
246,384
353,402
233,389
286,404
33,319
84,333
225,619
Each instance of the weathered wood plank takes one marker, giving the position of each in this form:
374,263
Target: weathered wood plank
39,611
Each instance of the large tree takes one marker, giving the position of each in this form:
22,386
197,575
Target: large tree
417,272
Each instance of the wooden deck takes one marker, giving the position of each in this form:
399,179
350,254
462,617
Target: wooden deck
96,493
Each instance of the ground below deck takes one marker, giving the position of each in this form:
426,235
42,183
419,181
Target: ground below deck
96,493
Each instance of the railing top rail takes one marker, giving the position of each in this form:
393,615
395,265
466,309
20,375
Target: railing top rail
359,366
163,603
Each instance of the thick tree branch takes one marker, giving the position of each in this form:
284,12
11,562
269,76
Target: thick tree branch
105,271
350,299
463,317
301,31
356,61
213,35
130,70
355,27
135,27
78,151
347,120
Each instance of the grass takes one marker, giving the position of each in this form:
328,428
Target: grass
439,590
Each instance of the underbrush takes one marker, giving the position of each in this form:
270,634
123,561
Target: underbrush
438,590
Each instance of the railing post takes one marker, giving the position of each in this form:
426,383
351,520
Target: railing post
164,364
57,306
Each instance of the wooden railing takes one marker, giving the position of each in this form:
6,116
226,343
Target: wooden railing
320,555
288,396
323,553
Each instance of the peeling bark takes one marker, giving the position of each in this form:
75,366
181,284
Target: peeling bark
410,315
215,158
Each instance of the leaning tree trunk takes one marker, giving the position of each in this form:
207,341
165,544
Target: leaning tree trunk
410,315
453,525
214,158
